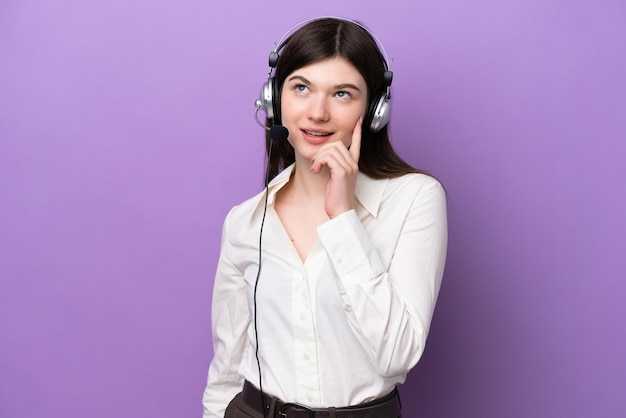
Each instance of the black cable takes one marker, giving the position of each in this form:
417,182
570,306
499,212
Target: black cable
256,282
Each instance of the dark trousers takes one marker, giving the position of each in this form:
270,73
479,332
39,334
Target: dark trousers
237,408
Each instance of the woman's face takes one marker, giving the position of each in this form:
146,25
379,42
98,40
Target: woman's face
321,103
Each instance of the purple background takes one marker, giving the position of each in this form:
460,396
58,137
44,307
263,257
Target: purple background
126,133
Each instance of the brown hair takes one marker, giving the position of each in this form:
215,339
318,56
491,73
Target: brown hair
327,38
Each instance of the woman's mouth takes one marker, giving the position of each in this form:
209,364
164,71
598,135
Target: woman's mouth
317,134
316,137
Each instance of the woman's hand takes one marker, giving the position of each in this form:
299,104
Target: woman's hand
343,164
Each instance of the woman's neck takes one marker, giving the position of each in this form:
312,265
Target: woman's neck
307,184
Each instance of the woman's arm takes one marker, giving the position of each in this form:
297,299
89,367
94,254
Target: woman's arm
389,304
230,319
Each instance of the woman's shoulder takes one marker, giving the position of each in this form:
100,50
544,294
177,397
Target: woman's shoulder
243,212
414,183
405,191
417,192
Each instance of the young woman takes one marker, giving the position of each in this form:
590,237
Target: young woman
327,309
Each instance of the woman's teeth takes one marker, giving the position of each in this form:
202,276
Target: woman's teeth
316,133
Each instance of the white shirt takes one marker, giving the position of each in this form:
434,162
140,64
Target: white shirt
347,325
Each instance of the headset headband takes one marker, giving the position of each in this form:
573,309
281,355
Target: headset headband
281,43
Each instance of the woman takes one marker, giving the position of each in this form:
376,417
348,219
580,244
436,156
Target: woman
327,309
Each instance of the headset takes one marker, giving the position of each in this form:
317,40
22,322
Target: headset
379,109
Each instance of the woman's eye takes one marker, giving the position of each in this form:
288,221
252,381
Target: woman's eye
300,88
343,94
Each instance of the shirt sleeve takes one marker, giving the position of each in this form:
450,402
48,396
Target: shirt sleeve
390,306
230,319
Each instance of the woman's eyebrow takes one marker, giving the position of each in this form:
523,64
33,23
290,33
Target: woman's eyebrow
347,86
299,77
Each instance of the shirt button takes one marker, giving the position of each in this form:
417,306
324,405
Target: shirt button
339,260
309,398
302,316
306,357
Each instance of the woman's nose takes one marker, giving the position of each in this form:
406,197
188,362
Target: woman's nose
318,109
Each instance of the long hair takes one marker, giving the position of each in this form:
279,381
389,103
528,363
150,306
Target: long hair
328,38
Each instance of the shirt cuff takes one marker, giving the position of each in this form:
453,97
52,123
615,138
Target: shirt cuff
350,250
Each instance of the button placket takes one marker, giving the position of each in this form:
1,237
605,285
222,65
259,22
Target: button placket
306,368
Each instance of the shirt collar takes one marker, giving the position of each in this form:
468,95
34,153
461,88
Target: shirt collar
278,182
368,191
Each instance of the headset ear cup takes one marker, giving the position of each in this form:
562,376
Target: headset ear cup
265,100
275,102
379,113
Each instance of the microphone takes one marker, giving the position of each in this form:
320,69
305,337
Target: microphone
279,133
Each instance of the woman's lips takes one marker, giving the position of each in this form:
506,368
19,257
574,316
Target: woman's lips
315,137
